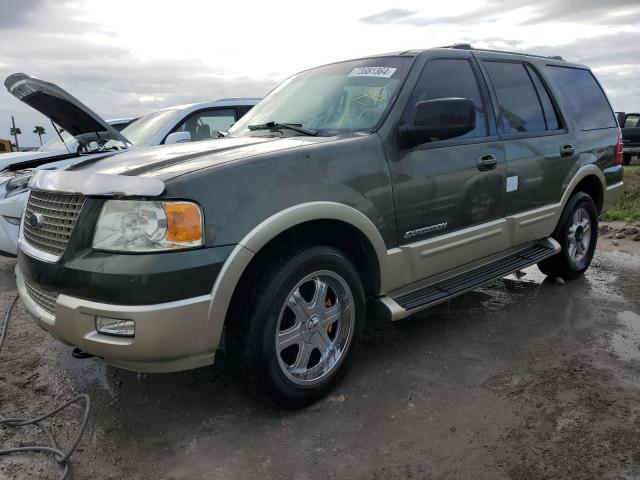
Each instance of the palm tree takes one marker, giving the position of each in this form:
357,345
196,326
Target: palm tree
38,130
15,131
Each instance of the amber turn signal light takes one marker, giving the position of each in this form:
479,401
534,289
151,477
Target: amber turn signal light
184,222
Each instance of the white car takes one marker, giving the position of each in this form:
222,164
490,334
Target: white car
94,138
58,147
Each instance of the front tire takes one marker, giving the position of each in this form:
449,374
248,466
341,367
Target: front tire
296,335
577,234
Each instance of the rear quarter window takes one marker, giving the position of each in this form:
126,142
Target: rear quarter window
587,102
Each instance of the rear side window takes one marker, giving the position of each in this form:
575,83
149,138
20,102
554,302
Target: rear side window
550,115
447,78
632,121
520,107
585,98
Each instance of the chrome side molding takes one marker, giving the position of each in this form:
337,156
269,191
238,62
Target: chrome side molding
103,184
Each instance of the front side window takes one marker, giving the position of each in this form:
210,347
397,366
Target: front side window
585,98
343,97
208,124
520,107
448,78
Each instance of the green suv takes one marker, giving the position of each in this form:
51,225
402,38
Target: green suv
372,187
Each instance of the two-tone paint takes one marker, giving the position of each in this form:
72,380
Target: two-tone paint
367,185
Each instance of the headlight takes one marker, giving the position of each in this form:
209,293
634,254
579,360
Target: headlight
148,226
18,184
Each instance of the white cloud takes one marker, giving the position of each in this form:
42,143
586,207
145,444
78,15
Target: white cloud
125,58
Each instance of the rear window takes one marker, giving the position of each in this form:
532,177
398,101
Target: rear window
587,102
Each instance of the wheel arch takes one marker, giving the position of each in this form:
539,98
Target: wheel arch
295,223
588,179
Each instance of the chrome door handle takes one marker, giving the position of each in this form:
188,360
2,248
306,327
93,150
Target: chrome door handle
567,150
487,162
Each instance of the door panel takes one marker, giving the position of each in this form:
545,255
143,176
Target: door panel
445,186
441,191
540,170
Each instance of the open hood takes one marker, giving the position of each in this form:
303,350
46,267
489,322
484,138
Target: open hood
63,108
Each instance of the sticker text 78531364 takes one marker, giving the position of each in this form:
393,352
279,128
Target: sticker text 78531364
384,72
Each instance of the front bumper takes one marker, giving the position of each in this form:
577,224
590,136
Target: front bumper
169,336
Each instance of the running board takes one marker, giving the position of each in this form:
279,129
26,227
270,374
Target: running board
401,306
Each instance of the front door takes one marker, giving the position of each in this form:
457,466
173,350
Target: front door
450,194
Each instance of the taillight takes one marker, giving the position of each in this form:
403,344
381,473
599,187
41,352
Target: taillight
619,149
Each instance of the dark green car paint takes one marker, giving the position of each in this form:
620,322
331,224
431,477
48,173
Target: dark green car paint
240,182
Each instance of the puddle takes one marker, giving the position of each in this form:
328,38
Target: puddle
625,342
531,275
87,374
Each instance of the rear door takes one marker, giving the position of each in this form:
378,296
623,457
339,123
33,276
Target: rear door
540,150
449,192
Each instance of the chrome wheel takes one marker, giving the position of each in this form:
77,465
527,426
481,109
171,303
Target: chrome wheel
315,327
579,235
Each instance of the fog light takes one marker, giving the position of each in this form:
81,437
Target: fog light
116,326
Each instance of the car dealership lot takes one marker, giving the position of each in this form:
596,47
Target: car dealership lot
521,379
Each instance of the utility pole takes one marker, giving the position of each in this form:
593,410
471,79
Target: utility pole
15,134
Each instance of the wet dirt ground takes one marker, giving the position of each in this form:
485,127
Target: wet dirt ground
522,379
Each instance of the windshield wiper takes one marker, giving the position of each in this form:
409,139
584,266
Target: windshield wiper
296,127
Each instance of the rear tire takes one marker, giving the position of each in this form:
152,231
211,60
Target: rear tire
577,234
627,158
295,335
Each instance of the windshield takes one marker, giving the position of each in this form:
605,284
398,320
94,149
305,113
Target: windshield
141,131
343,97
55,144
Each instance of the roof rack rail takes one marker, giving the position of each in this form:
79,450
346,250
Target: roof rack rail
462,46
466,46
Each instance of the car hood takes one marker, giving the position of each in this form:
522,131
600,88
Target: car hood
28,159
166,162
63,108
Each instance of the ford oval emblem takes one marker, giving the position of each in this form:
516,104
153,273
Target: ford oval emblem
36,220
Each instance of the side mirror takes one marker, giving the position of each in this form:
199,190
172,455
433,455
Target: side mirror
439,119
177,137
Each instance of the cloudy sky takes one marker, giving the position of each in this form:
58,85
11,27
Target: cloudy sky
125,57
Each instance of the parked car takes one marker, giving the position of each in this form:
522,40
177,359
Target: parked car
630,124
372,187
59,147
170,125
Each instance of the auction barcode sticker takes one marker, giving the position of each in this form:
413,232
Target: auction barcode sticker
384,72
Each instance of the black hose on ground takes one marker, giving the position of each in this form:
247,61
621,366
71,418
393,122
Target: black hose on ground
61,456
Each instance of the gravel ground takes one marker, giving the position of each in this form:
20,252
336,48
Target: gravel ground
523,379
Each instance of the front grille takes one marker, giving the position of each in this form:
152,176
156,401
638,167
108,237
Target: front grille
45,298
58,212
